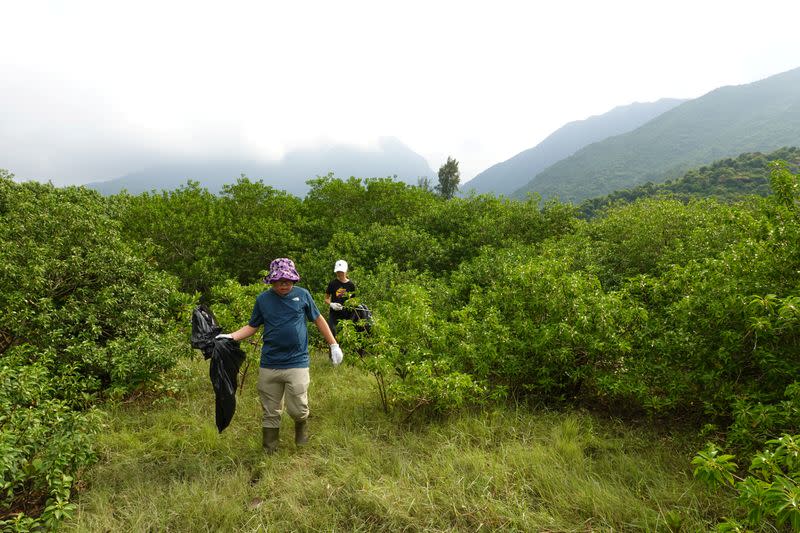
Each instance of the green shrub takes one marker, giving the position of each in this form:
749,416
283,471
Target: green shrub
43,444
769,496
83,316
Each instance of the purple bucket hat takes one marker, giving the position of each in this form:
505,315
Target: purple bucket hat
282,268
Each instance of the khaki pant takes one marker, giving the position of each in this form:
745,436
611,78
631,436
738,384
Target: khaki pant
279,386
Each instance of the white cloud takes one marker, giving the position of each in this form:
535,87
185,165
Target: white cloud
476,80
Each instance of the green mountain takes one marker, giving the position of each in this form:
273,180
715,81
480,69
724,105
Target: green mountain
510,175
728,179
757,117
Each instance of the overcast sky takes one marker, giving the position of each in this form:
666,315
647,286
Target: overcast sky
92,89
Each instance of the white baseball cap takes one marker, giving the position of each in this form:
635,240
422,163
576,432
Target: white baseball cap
340,266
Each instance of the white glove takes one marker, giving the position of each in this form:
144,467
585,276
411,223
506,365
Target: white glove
224,336
336,306
336,354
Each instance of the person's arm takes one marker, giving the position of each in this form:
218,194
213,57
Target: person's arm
322,326
243,333
336,351
335,305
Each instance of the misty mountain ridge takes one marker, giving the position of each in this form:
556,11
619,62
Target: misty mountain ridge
290,173
757,117
508,176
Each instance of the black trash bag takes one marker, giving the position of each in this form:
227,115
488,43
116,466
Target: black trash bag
362,318
204,329
226,358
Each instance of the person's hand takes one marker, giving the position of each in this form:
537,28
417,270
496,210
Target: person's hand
336,354
336,306
224,336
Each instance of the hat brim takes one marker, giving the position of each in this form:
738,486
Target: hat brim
277,276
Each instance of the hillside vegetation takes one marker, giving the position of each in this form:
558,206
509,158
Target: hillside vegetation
726,180
658,312
757,117
508,176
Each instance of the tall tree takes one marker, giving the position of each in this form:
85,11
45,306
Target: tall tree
449,176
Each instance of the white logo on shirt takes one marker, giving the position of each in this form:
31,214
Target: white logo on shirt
296,299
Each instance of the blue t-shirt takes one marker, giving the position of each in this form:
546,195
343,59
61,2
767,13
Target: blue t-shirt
285,333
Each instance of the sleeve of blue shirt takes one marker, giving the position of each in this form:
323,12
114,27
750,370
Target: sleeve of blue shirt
311,308
256,318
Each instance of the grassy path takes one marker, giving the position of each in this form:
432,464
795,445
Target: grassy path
163,467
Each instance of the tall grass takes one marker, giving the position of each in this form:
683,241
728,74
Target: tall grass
164,468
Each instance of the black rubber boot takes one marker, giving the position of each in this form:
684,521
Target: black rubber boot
301,433
270,439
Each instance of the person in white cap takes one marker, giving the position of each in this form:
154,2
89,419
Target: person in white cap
338,292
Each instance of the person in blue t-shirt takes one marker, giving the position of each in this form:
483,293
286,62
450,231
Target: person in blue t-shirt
283,378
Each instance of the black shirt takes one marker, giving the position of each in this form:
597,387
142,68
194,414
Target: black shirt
340,293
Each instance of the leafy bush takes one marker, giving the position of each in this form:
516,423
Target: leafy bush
406,350
650,236
757,421
463,226
43,443
334,205
409,248
72,287
256,223
181,226
535,324
83,316
769,496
